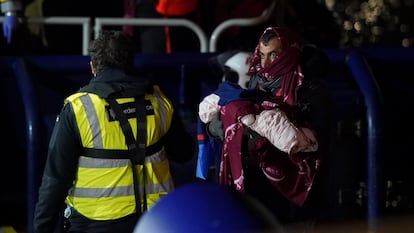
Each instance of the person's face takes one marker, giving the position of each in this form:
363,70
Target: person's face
268,53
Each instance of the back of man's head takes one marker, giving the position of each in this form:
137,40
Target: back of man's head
112,49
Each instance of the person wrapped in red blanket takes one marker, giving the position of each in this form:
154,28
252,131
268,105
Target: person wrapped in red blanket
287,73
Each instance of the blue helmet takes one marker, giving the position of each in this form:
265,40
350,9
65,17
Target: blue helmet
207,207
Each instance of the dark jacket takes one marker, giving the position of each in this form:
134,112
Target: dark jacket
65,146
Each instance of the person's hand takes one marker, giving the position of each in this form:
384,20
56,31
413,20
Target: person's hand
215,127
10,23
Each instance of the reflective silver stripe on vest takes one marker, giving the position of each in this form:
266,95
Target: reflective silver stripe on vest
102,192
165,186
87,162
93,121
163,112
157,157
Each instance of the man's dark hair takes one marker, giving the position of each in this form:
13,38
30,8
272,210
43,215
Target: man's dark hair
267,36
112,49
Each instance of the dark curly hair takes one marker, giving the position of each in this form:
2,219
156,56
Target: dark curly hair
112,49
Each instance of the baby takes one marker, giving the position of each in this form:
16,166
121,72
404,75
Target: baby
266,118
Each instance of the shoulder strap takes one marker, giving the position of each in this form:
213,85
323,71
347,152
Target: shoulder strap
136,148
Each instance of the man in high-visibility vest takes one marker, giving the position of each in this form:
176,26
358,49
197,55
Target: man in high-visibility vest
109,151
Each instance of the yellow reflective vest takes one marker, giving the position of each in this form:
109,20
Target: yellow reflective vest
104,185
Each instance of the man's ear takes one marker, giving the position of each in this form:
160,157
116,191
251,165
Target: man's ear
92,68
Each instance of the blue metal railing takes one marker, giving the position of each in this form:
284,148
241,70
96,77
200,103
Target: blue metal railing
27,91
371,92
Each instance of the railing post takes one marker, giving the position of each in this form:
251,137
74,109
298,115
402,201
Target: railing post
238,22
100,22
27,91
370,90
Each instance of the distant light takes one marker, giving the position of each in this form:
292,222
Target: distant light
404,28
407,42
